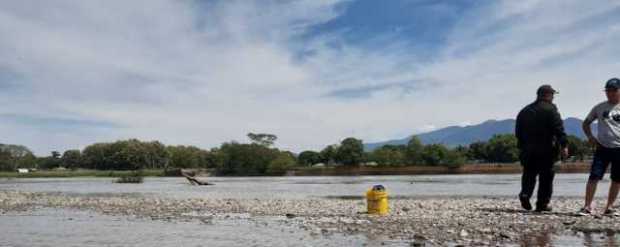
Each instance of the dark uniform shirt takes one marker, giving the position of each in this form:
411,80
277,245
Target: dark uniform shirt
540,129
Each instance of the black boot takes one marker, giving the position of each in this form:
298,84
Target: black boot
525,202
543,208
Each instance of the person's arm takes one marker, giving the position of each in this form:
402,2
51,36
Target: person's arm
587,129
557,125
519,131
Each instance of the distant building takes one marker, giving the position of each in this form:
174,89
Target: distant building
22,170
319,165
372,163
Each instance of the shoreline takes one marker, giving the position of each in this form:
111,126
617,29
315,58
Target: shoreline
494,168
431,220
511,168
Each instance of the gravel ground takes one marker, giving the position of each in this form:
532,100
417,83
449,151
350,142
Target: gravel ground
431,221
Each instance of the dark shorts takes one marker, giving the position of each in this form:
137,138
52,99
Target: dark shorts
602,158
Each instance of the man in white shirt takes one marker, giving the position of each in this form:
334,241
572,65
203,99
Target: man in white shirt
607,143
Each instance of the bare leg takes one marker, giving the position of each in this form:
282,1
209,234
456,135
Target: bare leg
590,191
613,194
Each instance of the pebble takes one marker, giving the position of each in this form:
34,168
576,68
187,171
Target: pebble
441,221
463,233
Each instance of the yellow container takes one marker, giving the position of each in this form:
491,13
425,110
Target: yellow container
377,200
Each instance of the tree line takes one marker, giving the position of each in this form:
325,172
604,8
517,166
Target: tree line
255,158
259,157
499,149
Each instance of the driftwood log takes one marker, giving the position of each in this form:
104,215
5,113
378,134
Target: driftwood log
194,181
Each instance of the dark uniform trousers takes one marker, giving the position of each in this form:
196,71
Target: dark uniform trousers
540,165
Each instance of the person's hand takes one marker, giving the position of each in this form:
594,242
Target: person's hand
593,141
565,153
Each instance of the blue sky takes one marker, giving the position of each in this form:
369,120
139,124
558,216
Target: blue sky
422,26
312,72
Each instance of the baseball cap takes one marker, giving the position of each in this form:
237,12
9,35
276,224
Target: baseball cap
545,89
613,83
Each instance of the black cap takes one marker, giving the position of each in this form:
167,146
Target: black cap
545,89
613,83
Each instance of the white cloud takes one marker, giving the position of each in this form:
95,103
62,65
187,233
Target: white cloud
203,73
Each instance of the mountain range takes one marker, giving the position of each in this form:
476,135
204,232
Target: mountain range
464,135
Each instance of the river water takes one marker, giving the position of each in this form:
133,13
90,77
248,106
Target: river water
65,227
570,185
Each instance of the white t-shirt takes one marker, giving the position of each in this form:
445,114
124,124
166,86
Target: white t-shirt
608,116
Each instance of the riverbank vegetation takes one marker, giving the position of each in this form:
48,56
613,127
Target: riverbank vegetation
59,173
257,157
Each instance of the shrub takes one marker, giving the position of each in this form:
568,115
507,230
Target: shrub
134,177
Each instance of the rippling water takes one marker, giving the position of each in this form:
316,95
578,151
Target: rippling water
572,185
61,227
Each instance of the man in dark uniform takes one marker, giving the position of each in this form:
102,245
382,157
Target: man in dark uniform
541,138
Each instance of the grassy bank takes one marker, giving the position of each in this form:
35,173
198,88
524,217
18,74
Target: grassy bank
78,173
577,167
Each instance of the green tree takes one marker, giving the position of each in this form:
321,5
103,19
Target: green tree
244,159
434,154
462,150
11,156
120,155
454,158
6,160
309,158
477,151
389,155
27,161
503,149
187,157
128,155
350,152
262,139
414,151
156,155
328,154
16,151
578,148
98,156
214,158
50,162
71,159
281,164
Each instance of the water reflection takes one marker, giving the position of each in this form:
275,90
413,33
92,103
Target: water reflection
67,227
601,239
537,240
589,239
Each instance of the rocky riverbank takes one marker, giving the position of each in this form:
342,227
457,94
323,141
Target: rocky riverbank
435,221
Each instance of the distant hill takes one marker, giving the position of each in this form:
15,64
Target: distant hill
457,135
